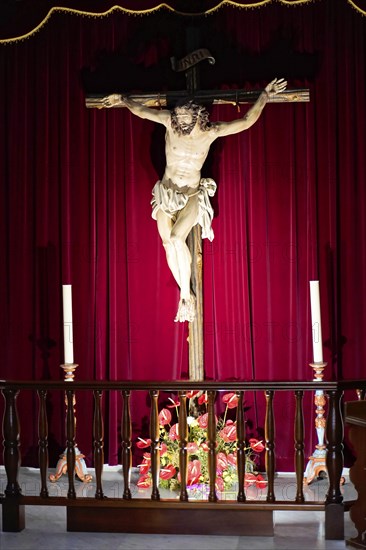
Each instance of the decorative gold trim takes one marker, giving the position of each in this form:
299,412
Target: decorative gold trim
163,5
356,7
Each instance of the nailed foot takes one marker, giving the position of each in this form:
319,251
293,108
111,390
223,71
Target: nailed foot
186,310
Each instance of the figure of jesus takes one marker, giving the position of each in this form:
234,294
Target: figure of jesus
181,198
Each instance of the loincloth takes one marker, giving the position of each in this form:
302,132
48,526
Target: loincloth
171,201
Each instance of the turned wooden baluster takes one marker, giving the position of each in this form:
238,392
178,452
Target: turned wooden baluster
334,510
70,441
269,431
299,446
183,440
43,441
356,419
98,436
155,444
334,458
11,433
126,444
211,442
240,453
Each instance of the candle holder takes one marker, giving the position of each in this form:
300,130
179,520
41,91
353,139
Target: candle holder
81,470
316,466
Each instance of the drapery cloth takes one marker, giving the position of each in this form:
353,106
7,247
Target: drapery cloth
290,207
171,201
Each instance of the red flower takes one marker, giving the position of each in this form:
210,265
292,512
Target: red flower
144,468
203,398
173,432
260,481
253,479
165,417
231,400
228,433
174,403
192,393
194,472
167,472
163,449
249,479
256,445
143,443
145,465
144,481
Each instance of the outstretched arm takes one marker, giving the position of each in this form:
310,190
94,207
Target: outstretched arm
235,126
162,116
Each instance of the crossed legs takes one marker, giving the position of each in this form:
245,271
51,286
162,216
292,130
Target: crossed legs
174,235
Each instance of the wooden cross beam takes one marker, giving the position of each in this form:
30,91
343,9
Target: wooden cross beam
216,97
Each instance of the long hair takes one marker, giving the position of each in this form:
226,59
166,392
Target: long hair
198,112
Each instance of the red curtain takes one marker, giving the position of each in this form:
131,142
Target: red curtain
290,207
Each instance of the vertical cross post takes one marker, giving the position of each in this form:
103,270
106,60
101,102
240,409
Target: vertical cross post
194,241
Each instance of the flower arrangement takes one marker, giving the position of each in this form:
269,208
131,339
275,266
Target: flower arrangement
197,448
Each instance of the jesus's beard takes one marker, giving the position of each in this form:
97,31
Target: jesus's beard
183,129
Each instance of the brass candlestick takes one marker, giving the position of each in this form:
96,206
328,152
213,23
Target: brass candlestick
80,467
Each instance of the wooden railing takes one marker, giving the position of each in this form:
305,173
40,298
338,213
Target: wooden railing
211,516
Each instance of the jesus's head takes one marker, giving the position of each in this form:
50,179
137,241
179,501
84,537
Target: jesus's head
185,117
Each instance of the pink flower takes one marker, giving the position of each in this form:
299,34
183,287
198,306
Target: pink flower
173,432
203,421
143,443
174,403
165,417
231,458
256,445
167,472
221,461
144,481
192,447
231,400
228,433
219,483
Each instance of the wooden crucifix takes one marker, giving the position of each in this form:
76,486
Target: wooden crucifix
189,65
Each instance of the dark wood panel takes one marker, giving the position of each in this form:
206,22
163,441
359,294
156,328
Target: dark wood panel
198,521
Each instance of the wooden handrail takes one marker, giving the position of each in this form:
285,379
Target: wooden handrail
176,385
13,500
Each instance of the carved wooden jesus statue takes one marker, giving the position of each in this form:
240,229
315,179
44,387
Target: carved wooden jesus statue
181,198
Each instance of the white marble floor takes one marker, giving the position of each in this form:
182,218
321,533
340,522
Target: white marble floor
46,526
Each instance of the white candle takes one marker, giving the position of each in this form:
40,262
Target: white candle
67,311
316,324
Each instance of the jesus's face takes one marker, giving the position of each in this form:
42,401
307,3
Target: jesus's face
186,119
